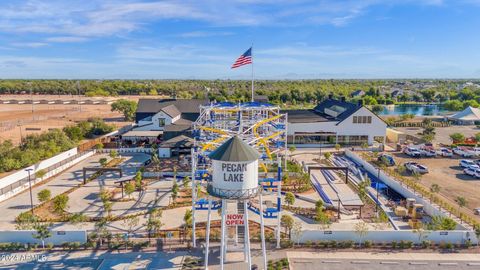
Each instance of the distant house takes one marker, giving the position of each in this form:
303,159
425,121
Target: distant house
260,98
168,117
357,93
335,121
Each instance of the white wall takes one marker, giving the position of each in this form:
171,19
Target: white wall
387,236
346,127
49,174
168,120
376,128
57,238
14,177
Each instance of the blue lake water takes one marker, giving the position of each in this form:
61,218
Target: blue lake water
416,109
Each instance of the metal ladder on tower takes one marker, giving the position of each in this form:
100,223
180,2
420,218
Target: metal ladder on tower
241,229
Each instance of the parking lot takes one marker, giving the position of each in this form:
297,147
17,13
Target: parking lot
449,175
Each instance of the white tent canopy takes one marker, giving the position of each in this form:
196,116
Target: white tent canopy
469,115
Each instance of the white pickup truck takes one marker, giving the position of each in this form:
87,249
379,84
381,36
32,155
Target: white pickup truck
414,167
463,151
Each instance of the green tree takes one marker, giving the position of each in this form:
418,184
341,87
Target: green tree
113,153
337,147
78,219
42,232
44,195
60,203
434,188
101,229
327,155
25,221
129,188
174,190
440,223
154,223
103,162
289,198
361,230
126,107
461,201
286,221
40,173
457,137
138,180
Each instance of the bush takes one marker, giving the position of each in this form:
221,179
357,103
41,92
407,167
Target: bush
394,244
426,243
368,244
49,245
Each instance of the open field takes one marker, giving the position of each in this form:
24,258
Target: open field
447,173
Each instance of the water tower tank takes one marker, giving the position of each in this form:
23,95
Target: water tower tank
235,170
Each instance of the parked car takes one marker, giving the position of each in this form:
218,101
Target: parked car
463,151
471,170
413,152
428,152
477,173
445,152
476,150
415,167
465,163
386,159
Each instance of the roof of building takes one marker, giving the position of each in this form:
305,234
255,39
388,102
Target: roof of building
358,92
181,141
469,114
176,128
304,116
171,110
341,108
235,149
182,105
142,133
183,121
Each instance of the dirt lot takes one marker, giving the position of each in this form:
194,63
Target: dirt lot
447,173
17,120
443,133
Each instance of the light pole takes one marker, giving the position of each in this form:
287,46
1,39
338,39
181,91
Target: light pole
30,185
376,187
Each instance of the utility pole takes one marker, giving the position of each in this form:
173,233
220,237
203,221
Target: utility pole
30,185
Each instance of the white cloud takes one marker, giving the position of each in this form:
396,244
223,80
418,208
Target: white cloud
66,39
201,34
29,44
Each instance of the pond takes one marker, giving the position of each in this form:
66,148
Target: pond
416,109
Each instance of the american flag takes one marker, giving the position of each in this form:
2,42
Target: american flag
244,59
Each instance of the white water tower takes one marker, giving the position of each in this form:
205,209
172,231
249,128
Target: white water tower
235,177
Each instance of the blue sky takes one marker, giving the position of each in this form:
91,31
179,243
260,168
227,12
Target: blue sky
200,39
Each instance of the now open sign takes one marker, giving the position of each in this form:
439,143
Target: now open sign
234,219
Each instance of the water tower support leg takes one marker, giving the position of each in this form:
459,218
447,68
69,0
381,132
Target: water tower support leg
248,256
262,233
194,187
207,233
222,246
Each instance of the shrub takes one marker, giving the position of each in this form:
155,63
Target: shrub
49,245
368,244
394,244
426,243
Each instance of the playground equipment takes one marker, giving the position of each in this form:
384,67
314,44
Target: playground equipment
261,126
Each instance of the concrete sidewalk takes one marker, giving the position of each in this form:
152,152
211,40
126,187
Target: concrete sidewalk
383,256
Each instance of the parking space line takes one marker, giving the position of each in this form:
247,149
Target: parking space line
330,261
473,264
360,262
388,262
448,264
418,263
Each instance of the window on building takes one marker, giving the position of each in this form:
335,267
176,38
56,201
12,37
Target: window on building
369,119
355,120
362,119
161,122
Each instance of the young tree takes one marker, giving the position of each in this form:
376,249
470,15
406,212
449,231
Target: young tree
287,222
292,149
327,155
103,162
130,223
289,198
434,188
101,229
156,163
129,188
361,230
138,180
154,222
78,219
25,221
126,107
457,137
60,203
297,231
461,201
337,147
113,153
174,190
187,220
44,195
42,232
40,173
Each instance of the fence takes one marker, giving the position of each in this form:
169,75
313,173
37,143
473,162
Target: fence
57,238
127,150
17,182
386,236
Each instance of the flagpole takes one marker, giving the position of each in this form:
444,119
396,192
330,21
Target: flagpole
253,91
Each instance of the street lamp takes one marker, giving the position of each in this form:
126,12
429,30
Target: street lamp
376,187
30,184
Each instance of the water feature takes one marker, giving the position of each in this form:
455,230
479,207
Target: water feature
416,109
